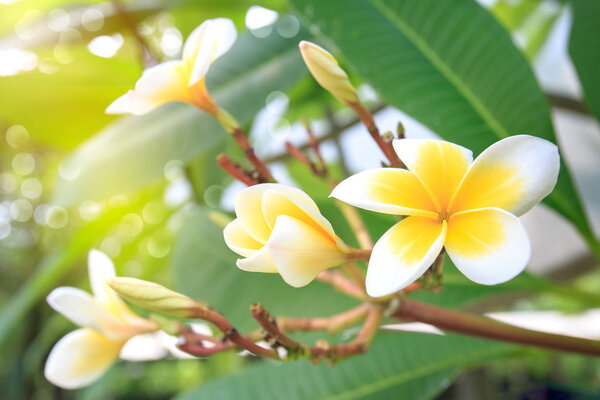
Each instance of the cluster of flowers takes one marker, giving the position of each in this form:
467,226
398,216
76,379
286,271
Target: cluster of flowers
469,208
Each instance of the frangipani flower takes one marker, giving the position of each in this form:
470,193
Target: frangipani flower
83,355
326,70
280,229
181,80
468,208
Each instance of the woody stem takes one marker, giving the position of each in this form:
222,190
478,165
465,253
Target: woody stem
476,325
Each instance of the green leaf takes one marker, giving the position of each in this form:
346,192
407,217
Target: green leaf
204,269
450,65
133,151
65,107
584,50
398,365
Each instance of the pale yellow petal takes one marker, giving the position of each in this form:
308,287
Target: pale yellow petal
403,254
386,190
301,252
261,261
205,44
276,203
131,103
248,207
514,174
80,358
489,246
239,240
164,83
101,270
439,165
79,307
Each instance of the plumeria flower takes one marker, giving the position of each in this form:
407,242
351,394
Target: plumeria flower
468,208
280,229
181,80
83,355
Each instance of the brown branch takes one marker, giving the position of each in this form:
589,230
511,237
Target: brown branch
313,142
343,284
476,325
240,137
322,350
303,158
332,324
356,224
332,134
230,333
235,170
148,58
567,103
385,145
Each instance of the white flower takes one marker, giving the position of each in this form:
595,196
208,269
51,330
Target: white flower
82,356
468,208
181,80
280,229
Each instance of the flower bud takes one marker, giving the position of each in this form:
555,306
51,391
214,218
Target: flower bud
326,70
154,297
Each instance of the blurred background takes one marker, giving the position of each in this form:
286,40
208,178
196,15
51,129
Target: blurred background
73,178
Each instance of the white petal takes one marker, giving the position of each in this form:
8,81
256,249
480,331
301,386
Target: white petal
261,261
205,44
80,358
248,207
79,307
301,252
403,254
163,83
438,164
386,190
101,269
514,174
489,246
239,240
144,347
275,203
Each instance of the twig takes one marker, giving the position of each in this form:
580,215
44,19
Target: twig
385,145
235,170
343,284
567,103
314,144
476,325
321,350
335,131
230,333
303,158
240,137
148,58
332,324
356,224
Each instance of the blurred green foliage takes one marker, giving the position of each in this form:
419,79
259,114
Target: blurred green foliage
141,188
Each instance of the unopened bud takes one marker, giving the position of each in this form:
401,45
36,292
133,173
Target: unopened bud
326,70
400,130
154,297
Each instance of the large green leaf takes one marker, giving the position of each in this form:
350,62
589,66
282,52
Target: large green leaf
64,108
133,151
204,268
584,50
450,65
398,365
